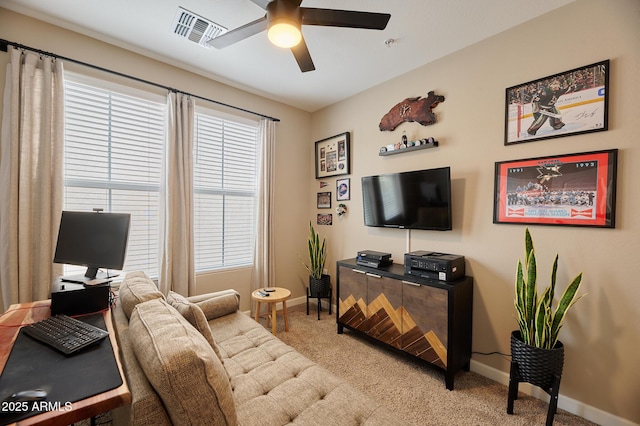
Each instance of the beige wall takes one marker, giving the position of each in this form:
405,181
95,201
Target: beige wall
291,174
602,334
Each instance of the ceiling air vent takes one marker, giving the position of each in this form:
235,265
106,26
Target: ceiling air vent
195,28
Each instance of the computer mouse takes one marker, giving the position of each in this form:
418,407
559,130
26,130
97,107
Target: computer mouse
27,396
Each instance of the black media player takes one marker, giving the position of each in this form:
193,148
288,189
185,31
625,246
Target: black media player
373,259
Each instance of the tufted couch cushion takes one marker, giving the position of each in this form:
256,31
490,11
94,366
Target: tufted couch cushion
175,376
181,366
268,376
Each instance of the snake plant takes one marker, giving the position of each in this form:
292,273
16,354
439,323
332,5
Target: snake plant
317,254
539,322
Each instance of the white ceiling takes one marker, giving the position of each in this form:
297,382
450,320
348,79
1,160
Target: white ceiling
347,61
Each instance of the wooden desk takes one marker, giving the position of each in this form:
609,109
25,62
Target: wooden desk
277,295
27,313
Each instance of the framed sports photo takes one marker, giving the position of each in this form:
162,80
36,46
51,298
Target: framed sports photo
564,104
573,189
324,200
343,192
332,156
324,219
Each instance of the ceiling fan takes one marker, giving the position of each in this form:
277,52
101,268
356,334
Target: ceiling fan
283,22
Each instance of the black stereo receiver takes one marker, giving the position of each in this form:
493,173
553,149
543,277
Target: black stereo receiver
433,265
373,259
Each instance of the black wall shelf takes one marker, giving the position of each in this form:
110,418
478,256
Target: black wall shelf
409,149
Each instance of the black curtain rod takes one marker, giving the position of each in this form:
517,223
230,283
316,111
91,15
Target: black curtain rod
4,47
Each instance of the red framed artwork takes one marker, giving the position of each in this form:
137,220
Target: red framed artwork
573,190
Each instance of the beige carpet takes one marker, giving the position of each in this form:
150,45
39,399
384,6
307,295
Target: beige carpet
415,391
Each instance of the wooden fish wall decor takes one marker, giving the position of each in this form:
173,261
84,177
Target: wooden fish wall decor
417,109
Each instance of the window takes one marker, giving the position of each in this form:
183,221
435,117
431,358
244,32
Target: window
225,190
114,140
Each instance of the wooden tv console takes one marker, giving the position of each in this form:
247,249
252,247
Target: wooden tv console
428,319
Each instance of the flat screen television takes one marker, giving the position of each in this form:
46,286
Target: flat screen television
418,199
94,240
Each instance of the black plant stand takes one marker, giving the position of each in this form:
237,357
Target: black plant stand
514,381
318,296
540,367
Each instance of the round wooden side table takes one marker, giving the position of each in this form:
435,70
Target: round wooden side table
278,294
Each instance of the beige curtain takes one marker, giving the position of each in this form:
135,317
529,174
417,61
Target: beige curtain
31,176
177,270
264,263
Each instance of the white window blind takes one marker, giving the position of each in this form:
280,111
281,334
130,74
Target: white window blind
225,191
114,138
113,160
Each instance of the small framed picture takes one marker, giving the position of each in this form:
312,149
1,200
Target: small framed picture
325,219
343,192
324,200
332,156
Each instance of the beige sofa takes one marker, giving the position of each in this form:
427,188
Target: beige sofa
200,361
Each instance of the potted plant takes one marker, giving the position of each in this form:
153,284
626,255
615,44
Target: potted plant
537,356
319,283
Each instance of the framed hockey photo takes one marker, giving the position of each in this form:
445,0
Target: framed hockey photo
332,156
573,189
564,104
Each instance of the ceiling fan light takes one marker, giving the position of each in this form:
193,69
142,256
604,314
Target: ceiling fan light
284,33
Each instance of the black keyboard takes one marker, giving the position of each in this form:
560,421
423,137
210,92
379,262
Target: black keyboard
64,333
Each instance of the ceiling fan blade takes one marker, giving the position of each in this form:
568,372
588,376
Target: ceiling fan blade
240,33
303,57
262,3
344,18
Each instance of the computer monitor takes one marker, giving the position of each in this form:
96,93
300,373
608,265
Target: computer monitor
94,240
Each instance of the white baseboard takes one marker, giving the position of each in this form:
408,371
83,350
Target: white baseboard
297,301
565,403
303,300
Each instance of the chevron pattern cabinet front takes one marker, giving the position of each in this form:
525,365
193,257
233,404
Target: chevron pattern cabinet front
352,311
425,330
410,316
